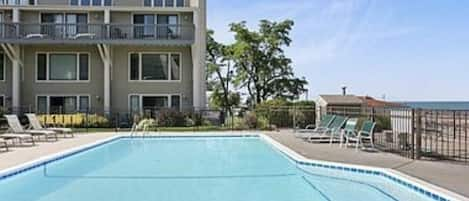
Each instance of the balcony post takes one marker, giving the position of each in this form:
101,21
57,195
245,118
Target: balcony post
198,57
104,51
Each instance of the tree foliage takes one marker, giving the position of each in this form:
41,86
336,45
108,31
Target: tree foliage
255,63
220,75
261,65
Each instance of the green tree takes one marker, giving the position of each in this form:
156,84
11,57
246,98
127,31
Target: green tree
261,65
220,75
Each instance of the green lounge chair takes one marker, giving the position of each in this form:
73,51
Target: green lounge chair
331,132
349,129
365,133
323,126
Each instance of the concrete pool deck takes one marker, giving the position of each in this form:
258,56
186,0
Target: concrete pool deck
451,176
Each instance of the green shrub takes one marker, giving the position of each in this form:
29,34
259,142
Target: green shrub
383,123
171,118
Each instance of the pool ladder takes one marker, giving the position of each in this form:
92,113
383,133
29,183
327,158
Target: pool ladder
135,131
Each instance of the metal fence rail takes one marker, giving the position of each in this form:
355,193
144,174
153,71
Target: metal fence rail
413,133
417,133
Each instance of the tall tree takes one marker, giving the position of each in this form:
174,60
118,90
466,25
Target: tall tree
220,74
261,65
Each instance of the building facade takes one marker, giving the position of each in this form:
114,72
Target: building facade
108,55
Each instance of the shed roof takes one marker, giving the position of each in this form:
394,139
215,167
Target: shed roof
341,99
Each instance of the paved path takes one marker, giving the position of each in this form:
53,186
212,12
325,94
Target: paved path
452,176
20,155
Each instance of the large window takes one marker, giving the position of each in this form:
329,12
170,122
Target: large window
139,103
91,2
163,3
63,104
2,67
62,66
155,66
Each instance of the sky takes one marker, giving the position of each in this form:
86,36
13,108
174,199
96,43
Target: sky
399,50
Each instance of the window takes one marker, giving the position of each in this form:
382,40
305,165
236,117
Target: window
63,66
155,66
17,2
91,2
2,67
139,103
75,23
2,101
164,3
62,104
161,26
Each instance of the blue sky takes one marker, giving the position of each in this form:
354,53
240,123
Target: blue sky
405,50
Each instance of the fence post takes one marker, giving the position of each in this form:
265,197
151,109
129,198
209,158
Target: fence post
418,134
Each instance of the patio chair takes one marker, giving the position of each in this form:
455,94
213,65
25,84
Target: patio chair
332,133
18,137
16,127
365,133
349,129
4,144
35,124
323,125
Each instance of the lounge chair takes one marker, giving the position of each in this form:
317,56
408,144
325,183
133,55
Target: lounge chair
365,133
323,125
349,129
35,124
331,133
4,144
17,128
18,137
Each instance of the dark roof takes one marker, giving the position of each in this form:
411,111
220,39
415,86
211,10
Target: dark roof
341,99
372,102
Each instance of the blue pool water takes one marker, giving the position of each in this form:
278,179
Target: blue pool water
193,169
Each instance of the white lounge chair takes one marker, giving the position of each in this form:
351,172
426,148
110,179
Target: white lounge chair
4,144
84,35
16,127
35,124
35,35
19,137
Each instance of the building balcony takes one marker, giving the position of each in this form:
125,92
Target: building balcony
124,34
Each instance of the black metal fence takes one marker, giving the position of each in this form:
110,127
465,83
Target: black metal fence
417,133
184,118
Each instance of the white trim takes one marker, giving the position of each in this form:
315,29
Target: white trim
141,95
77,96
140,80
47,80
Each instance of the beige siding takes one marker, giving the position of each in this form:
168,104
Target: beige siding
121,87
53,2
31,88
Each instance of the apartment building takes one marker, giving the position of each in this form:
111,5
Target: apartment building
108,55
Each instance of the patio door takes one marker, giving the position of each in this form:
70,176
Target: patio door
144,26
168,26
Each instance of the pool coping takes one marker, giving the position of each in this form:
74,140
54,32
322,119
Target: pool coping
430,190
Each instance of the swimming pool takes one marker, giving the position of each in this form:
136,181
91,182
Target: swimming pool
204,168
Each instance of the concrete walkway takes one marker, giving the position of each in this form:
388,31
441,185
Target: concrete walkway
452,176
20,155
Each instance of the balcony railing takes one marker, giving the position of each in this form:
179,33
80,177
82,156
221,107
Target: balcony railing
96,33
